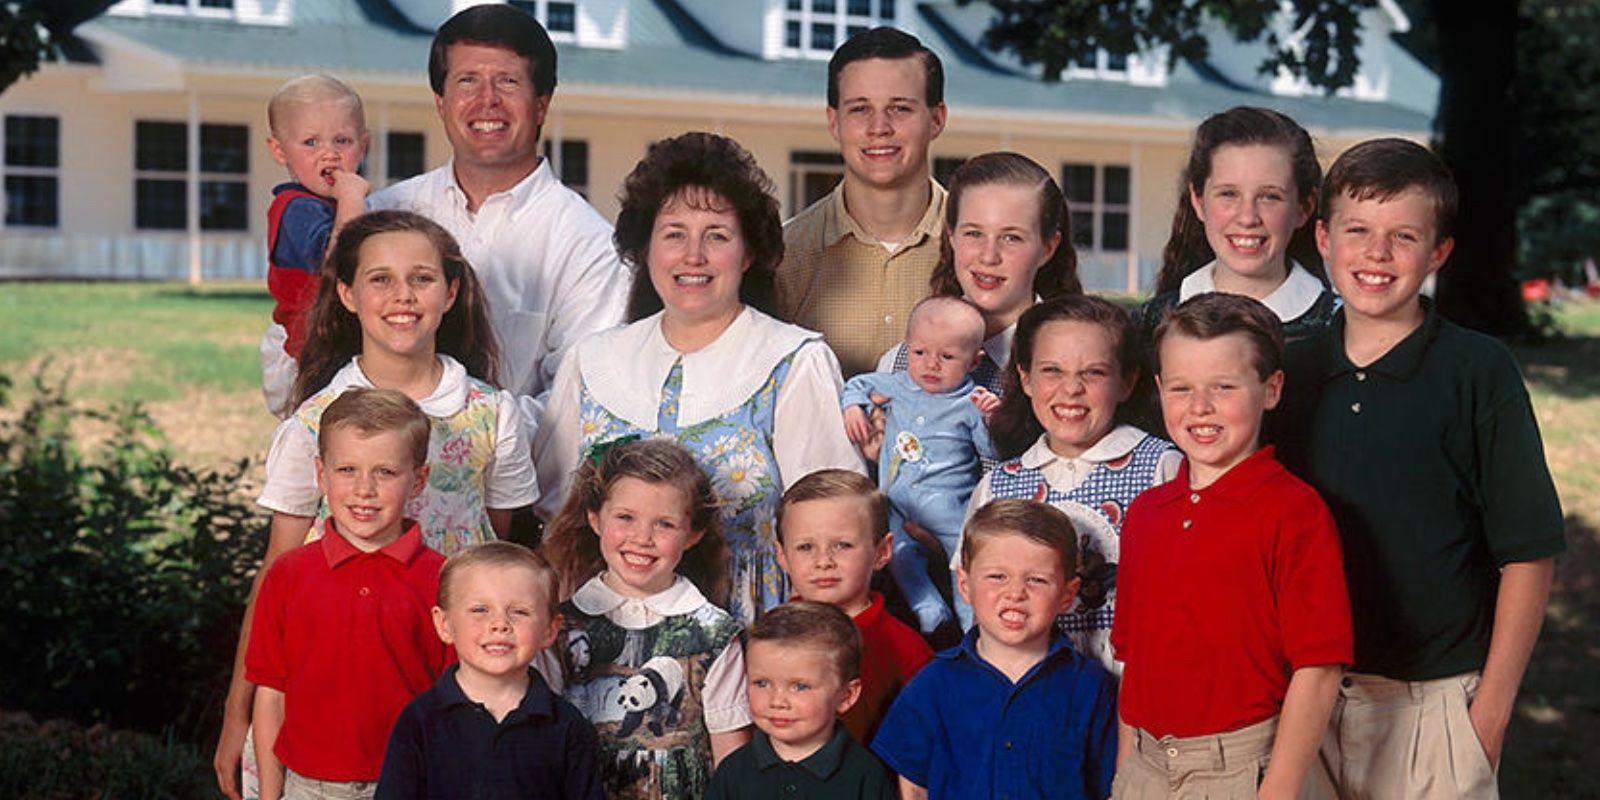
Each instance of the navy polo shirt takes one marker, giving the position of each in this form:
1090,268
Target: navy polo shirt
962,729
1431,462
449,747
840,770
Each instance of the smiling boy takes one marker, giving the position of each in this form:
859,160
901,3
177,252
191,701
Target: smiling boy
342,638
1013,711
803,661
1232,620
1421,436
833,534
491,727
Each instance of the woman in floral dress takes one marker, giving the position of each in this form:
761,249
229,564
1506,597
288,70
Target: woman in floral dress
754,399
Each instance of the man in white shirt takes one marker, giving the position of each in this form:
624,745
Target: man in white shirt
542,253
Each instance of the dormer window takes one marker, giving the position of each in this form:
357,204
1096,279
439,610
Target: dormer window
1097,63
813,28
559,18
197,7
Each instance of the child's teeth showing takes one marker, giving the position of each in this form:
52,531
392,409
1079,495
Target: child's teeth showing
1374,279
693,280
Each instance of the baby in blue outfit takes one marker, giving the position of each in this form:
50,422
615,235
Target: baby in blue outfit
934,436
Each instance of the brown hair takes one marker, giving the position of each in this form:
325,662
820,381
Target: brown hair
891,44
1056,276
709,172
1187,249
1383,168
372,411
826,484
573,547
333,333
803,623
1038,522
499,554
495,25
1013,428
1215,314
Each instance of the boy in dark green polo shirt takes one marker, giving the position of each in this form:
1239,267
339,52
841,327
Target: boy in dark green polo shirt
1421,438
803,661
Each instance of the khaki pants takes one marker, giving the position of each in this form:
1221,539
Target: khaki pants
1227,765
1406,740
296,787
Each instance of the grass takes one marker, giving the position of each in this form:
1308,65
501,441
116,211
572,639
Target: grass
190,355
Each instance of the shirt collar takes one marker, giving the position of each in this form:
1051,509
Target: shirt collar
338,550
446,399
1112,446
1293,298
1237,484
822,764
872,614
536,701
1060,647
838,223
517,195
595,598
1401,362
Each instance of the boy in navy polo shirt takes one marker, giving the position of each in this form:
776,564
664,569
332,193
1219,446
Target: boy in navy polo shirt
342,638
491,727
1012,711
1232,622
1421,437
802,660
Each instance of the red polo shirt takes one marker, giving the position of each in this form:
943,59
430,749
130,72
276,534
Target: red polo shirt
348,638
1222,593
890,654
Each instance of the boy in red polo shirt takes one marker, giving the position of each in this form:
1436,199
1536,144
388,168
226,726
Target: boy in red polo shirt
343,634
1233,619
833,533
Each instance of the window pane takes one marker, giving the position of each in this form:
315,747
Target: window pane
158,204
1116,63
561,17
575,162
160,145
794,5
33,141
886,10
170,2
1114,231
224,148
405,155
228,4
859,8
1116,186
823,6
1083,229
224,205
791,33
32,200
822,35
1077,182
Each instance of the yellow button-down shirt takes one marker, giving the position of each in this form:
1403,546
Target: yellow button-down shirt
837,279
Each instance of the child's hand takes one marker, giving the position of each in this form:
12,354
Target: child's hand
986,401
857,426
349,187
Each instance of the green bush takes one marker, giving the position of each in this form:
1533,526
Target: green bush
64,760
122,575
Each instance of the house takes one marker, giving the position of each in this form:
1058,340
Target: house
145,157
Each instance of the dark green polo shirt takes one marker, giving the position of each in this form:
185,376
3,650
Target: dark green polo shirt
841,770
1431,462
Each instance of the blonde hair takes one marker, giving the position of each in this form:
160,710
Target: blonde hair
499,554
309,90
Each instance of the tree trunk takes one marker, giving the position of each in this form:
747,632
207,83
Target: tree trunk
1477,124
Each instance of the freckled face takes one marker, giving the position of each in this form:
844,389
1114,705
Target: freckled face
828,551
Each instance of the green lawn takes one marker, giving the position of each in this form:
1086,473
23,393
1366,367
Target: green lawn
190,354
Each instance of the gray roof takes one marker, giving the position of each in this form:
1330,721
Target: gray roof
669,50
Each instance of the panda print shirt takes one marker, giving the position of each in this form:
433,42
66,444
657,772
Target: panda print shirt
657,677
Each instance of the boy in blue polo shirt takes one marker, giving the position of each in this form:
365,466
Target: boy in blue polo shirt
1420,436
1012,711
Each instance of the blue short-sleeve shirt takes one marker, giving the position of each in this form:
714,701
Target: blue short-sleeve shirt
962,729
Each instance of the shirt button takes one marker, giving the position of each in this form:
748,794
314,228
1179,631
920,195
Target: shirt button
1355,407
1194,498
1172,752
364,591
1008,745
1361,376
1187,524
921,420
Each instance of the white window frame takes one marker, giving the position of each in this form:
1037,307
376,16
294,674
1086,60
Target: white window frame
1099,207
839,18
541,12
193,8
29,170
799,169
